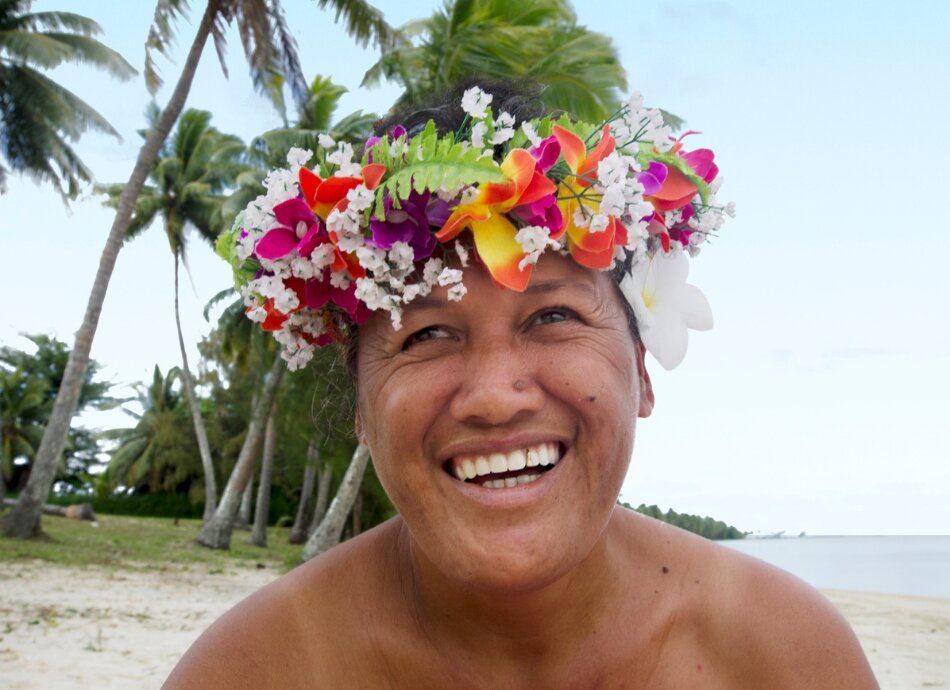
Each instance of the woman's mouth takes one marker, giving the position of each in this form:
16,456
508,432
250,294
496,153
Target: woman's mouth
506,470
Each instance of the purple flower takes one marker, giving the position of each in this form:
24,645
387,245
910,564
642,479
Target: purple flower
397,131
546,153
652,178
409,223
543,211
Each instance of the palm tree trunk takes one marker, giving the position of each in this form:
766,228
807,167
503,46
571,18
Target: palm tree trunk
243,518
24,520
323,497
216,532
204,448
298,533
259,533
328,533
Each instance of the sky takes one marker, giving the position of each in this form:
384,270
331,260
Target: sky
818,402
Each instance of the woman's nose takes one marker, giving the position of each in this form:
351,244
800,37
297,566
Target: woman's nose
498,385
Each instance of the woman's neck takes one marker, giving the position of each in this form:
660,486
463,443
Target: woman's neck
518,625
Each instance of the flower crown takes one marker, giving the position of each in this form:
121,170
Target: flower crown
327,245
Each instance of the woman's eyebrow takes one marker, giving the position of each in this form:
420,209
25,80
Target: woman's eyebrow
541,287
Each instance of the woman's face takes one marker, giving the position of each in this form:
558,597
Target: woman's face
534,393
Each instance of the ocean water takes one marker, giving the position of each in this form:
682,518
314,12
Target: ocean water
918,566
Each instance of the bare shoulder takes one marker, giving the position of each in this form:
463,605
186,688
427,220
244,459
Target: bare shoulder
796,634
293,632
759,626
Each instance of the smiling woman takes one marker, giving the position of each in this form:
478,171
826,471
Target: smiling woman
500,374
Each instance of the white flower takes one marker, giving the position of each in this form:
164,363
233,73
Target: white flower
323,256
431,271
612,170
469,195
530,259
326,141
340,279
457,292
599,222
478,135
450,276
301,268
360,198
475,102
730,209
462,252
372,259
533,238
666,305
296,157
504,128
401,255
411,292
530,132
612,202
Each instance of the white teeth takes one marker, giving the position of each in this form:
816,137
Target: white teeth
516,460
541,455
534,457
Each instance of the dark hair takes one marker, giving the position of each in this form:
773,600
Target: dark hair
522,100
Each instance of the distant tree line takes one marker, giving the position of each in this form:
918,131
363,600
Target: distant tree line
703,526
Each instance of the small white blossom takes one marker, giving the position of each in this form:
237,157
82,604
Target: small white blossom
469,195
360,198
479,130
599,222
581,218
504,129
730,209
340,280
326,141
533,238
301,268
431,271
395,315
449,276
530,132
612,170
530,259
457,292
297,157
612,202
372,259
401,255
462,252
475,102
323,256
411,292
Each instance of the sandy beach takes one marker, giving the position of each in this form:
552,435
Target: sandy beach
94,627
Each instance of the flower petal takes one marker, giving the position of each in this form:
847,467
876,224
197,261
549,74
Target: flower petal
572,146
500,253
276,244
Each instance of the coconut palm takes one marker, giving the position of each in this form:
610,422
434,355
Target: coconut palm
22,411
536,40
38,117
154,455
271,53
186,191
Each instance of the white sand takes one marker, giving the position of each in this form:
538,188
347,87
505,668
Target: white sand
70,628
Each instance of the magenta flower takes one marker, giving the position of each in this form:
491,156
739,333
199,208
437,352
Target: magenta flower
278,242
546,153
702,163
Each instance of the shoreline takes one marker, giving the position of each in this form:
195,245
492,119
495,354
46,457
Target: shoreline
127,628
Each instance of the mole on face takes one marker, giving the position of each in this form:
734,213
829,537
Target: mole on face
591,398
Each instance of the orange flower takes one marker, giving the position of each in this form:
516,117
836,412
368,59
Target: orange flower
494,234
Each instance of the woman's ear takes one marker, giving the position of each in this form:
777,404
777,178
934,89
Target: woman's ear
647,399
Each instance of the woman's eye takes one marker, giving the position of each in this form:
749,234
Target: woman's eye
554,315
423,334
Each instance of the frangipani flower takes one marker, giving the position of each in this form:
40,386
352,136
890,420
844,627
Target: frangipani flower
590,246
666,305
494,233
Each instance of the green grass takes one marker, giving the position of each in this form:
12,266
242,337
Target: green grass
144,542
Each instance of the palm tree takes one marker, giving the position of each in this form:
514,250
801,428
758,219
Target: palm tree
22,410
271,53
534,40
186,189
154,455
38,117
